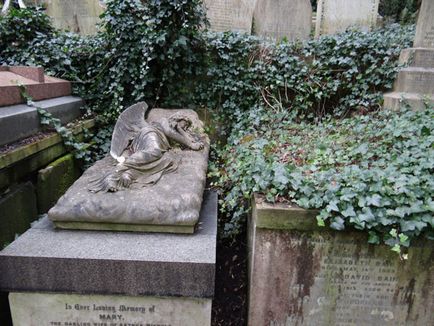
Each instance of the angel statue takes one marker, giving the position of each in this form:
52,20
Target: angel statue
141,149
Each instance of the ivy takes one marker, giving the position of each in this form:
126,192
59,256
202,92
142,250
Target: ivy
79,149
370,172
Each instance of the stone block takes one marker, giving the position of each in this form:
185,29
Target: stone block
394,100
335,16
17,211
114,263
74,309
54,180
20,121
299,276
417,57
230,15
38,86
425,26
415,80
278,19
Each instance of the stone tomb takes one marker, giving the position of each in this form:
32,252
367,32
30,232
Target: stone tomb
58,277
230,15
278,19
415,83
300,274
79,16
335,16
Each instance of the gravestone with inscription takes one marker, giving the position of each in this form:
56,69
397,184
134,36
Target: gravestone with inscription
79,16
415,83
300,274
278,19
88,278
334,16
230,15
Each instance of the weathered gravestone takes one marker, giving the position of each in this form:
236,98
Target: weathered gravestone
334,16
230,15
153,181
415,83
278,19
79,16
300,274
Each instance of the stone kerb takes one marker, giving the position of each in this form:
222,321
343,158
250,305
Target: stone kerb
300,274
415,83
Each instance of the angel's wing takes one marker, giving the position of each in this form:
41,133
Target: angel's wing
129,123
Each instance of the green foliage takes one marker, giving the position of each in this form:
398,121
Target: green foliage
78,149
404,11
281,106
370,172
19,27
337,74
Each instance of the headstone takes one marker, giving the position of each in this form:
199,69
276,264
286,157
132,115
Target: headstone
79,16
425,26
415,83
230,15
112,278
300,274
278,19
335,16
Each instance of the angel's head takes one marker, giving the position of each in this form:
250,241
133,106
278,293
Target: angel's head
180,121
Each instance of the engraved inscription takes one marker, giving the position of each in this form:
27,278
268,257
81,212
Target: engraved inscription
428,38
95,310
322,278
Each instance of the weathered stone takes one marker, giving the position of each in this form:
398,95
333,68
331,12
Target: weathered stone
278,19
38,86
335,16
417,57
21,121
172,204
113,263
322,277
54,180
74,309
230,15
415,80
395,100
17,211
79,16
425,26
24,160
415,84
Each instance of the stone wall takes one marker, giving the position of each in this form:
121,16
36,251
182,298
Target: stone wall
300,274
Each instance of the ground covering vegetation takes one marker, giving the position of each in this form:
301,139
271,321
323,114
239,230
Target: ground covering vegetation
291,116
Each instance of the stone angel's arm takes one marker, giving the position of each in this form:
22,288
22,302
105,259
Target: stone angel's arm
181,136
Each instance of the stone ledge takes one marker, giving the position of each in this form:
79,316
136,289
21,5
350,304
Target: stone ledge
394,100
48,260
25,151
415,80
21,121
282,216
417,57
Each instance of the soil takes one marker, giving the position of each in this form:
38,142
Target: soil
230,301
